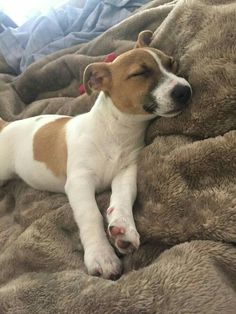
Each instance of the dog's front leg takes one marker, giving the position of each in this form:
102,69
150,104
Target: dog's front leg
121,226
99,256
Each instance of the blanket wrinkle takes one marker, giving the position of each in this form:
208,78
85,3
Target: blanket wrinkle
185,211
64,73
62,27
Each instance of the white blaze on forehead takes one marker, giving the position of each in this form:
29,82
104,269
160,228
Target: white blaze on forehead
158,61
169,76
162,92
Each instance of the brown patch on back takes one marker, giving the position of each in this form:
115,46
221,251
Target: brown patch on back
49,146
3,124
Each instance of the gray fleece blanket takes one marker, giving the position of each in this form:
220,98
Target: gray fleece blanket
185,211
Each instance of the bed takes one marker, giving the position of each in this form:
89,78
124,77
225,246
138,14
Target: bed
185,211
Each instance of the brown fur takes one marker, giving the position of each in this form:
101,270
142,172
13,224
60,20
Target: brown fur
186,184
49,146
127,90
144,39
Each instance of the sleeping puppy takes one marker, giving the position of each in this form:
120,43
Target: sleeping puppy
95,151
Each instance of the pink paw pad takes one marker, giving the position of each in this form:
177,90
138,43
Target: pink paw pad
114,231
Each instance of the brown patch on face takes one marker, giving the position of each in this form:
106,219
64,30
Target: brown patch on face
134,76
3,124
131,78
49,146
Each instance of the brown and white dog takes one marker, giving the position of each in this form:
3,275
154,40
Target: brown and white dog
97,150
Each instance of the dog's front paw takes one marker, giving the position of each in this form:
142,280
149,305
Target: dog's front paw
124,235
102,261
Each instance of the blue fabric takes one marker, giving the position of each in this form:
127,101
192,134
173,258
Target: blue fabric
62,28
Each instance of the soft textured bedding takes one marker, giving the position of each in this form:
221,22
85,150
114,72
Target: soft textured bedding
185,211
61,28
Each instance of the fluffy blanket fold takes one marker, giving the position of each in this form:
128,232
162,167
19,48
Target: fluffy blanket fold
186,205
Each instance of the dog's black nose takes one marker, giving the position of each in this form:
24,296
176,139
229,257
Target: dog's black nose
181,94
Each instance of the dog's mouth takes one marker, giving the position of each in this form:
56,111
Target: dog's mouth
152,108
151,105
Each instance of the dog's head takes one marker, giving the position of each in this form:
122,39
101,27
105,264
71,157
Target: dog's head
139,81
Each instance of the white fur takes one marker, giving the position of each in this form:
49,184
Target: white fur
16,154
163,91
103,146
111,141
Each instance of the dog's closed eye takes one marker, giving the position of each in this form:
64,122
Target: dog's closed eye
140,73
143,71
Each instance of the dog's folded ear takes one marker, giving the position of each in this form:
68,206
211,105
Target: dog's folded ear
144,39
97,76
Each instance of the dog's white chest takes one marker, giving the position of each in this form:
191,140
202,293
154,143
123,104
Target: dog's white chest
102,148
112,160
110,157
